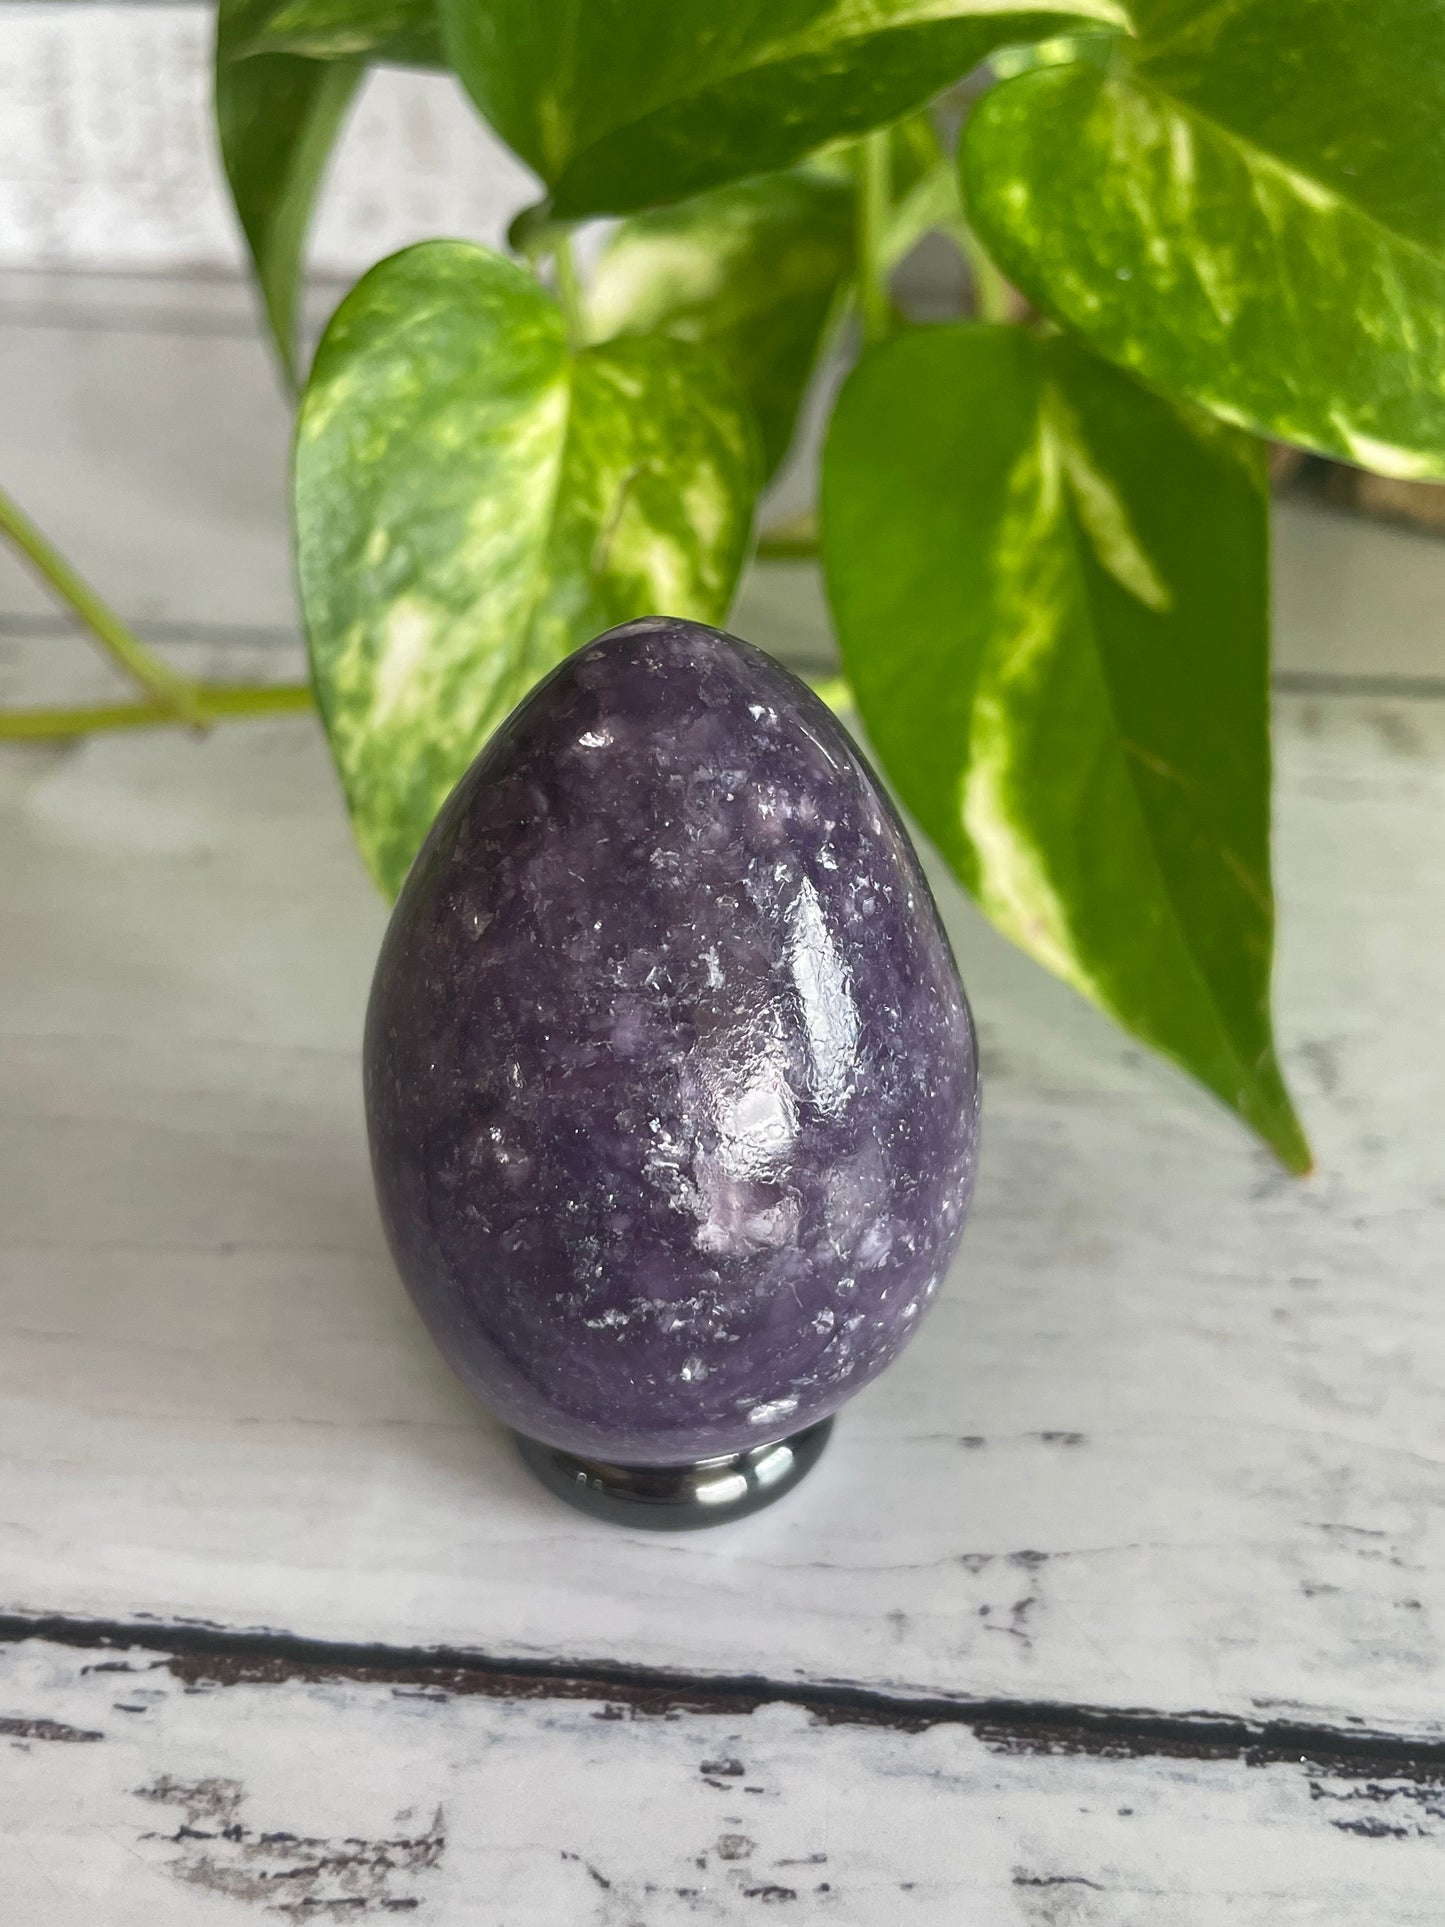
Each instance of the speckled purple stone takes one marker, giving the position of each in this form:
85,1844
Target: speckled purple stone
670,1077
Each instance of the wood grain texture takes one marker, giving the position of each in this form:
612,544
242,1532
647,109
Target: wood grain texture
108,159
146,1790
1172,1437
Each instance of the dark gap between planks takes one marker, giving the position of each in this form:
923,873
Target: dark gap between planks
213,1655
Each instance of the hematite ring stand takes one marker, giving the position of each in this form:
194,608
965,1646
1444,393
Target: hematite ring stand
678,1498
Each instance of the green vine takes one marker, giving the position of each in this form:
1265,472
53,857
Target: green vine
874,162
171,697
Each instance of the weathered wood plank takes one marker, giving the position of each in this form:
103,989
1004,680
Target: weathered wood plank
145,1790
1173,1437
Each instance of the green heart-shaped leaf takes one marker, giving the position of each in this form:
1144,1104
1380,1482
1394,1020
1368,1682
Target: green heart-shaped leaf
622,104
397,30
474,499
751,271
286,71
1245,207
1050,587
277,118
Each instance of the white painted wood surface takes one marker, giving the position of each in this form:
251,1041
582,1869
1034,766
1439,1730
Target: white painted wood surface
1172,1440
140,1792
1254,1363
1172,1437
108,159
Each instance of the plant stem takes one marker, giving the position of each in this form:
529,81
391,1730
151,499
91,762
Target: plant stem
213,702
835,691
794,539
176,694
569,287
874,193
993,298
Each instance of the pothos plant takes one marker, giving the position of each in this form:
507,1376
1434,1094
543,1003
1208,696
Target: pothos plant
1189,226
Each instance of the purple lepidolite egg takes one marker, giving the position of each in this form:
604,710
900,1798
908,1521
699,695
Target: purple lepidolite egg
670,1078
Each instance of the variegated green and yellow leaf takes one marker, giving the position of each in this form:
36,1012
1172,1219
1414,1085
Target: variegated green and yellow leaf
751,271
475,499
760,271
1245,206
625,104
1051,592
